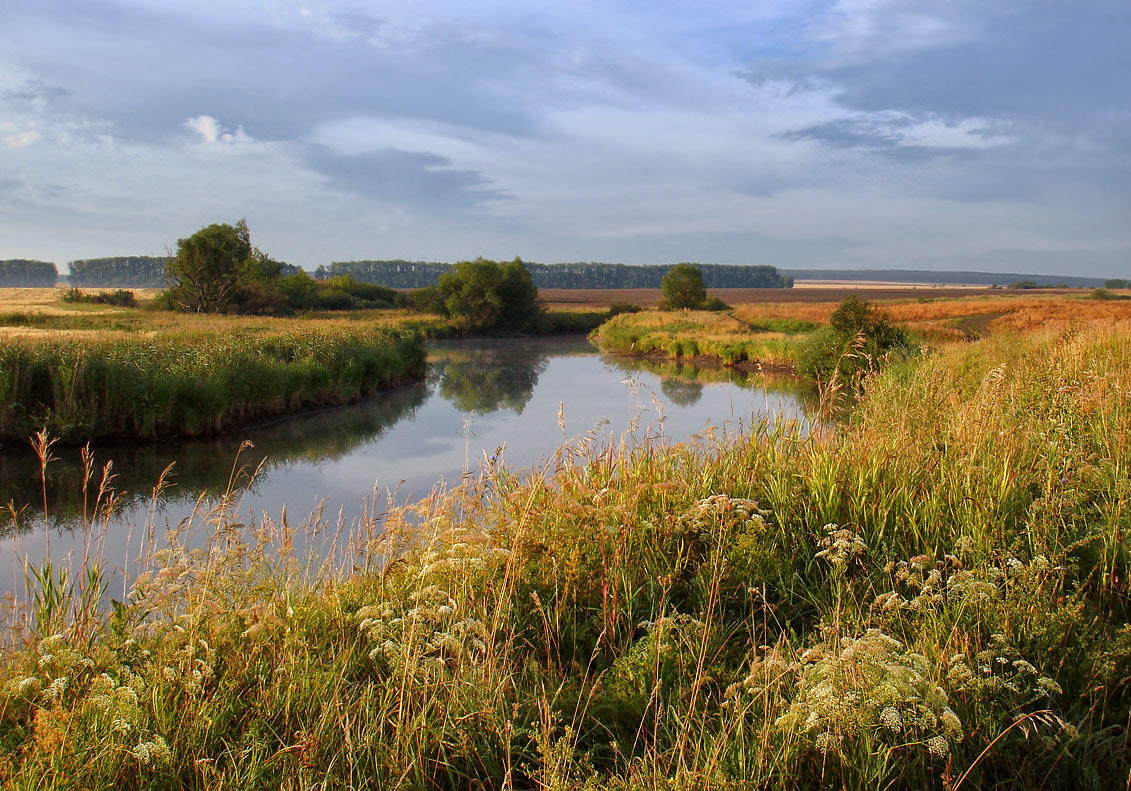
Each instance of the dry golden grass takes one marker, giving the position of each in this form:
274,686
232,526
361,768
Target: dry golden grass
814,293
961,317
47,302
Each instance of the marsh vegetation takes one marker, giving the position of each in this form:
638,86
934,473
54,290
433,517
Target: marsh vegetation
931,593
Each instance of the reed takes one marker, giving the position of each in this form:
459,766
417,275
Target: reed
189,383
930,595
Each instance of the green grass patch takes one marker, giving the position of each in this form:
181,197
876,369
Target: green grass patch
933,595
191,383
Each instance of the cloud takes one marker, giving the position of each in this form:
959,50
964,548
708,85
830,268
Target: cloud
341,129
211,132
886,131
16,136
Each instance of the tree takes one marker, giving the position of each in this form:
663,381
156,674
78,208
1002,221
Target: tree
683,287
27,273
520,307
205,272
481,294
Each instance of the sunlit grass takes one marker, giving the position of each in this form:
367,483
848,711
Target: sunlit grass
191,381
932,595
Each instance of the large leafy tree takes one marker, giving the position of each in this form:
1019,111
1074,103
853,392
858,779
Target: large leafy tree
482,294
218,270
683,287
205,273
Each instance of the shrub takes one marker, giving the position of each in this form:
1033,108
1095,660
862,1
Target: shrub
618,308
857,340
483,294
121,298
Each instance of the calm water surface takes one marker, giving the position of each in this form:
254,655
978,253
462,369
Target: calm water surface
481,399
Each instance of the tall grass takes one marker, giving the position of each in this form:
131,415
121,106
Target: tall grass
772,341
193,382
934,595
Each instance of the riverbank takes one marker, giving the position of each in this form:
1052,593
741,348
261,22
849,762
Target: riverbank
191,383
774,333
86,371
932,596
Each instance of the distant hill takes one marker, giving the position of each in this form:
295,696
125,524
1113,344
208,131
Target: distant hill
925,276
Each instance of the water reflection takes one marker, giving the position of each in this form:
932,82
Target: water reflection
482,381
207,466
681,391
477,396
682,382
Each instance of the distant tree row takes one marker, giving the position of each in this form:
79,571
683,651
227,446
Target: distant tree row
21,272
127,271
418,274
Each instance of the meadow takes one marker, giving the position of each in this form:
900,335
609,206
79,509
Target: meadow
84,370
929,594
772,333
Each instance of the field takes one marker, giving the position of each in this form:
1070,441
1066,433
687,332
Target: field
768,330
803,291
930,594
82,371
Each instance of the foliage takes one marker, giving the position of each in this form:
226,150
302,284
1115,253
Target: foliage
121,298
859,339
618,308
139,271
484,294
933,596
205,273
419,274
683,287
428,300
26,273
217,270
1116,282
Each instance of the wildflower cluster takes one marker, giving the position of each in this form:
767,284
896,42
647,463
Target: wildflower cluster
430,639
67,689
841,546
999,671
870,687
923,583
724,511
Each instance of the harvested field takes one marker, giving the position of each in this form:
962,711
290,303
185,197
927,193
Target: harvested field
603,298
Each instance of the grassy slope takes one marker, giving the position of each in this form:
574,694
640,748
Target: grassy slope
774,332
933,596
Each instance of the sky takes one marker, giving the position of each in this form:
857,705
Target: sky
934,134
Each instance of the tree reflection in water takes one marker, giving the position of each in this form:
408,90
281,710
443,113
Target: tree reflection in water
682,392
486,379
203,466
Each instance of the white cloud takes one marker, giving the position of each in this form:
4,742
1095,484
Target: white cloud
211,132
17,135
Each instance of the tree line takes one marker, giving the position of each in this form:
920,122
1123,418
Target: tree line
136,271
399,273
25,273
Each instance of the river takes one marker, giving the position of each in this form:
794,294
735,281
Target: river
511,401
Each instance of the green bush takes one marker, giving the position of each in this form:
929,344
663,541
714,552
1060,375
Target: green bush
859,339
484,294
122,298
618,308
